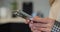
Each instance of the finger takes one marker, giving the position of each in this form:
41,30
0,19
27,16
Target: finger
35,26
45,29
27,21
41,29
49,20
31,24
43,20
32,28
35,30
39,25
39,20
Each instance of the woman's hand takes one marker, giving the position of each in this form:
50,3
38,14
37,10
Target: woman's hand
41,24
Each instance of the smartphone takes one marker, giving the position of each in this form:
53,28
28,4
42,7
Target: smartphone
22,14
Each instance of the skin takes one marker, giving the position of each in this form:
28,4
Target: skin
42,25
51,2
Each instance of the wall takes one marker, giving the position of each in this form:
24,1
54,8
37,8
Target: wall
39,5
42,5
5,5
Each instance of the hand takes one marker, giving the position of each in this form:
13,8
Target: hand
42,25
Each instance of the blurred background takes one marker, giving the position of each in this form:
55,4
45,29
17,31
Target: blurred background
11,23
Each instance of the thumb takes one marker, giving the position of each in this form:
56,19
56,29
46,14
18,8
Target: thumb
27,21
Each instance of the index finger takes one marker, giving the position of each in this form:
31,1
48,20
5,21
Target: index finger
40,20
49,20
